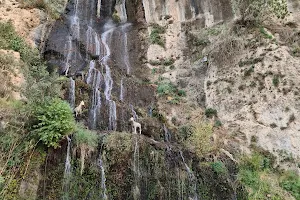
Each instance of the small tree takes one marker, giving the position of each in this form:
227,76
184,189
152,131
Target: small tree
200,139
53,119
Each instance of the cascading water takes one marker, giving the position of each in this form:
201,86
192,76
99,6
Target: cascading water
67,172
98,8
134,115
192,180
96,99
103,179
121,90
68,49
125,41
72,93
75,24
112,115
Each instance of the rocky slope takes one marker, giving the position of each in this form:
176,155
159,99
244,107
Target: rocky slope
254,88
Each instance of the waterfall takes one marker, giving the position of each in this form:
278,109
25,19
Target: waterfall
192,180
68,49
75,26
134,115
98,8
125,40
91,69
103,179
72,93
121,91
67,172
112,115
106,36
96,98
123,12
92,41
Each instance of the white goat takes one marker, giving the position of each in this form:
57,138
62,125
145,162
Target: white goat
135,125
78,109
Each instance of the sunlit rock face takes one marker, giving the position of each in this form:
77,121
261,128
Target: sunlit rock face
205,12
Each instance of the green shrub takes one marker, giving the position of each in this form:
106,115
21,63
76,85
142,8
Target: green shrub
265,33
210,112
85,137
275,81
168,61
52,121
155,35
218,123
166,88
291,182
199,140
249,71
219,167
181,93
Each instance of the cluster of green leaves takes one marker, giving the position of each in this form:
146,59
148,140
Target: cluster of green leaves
210,112
83,136
53,119
290,181
155,35
261,180
275,80
219,168
257,10
199,138
265,33
166,88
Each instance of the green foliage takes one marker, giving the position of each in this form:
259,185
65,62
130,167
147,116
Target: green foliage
168,62
290,181
218,123
166,88
155,35
210,112
52,121
219,167
85,137
256,173
199,139
249,71
275,81
181,93
265,33
257,10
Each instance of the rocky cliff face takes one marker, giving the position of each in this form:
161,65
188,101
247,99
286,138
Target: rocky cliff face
253,88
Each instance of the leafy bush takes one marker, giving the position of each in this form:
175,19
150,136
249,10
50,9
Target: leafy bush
155,35
86,137
199,141
166,88
52,121
291,182
210,112
219,167
275,81
218,123
181,93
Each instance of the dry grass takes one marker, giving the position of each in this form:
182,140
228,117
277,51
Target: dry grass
225,50
7,70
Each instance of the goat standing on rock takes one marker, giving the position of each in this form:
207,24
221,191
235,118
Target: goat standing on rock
135,125
78,109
